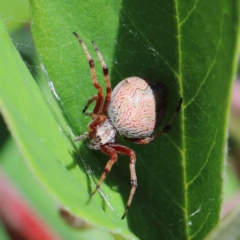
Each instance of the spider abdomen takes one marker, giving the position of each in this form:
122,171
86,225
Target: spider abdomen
137,107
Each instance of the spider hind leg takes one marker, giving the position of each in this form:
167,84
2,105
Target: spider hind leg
112,150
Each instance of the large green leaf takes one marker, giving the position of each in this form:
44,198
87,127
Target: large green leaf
189,46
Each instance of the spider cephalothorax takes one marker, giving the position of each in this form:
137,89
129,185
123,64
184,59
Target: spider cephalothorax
134,110
104,133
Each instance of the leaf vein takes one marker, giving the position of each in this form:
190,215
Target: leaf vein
189,13
205,163
182,119
210,68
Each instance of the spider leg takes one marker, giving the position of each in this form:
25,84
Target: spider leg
113,154
82,137
112,150
164,130
127,151
91,100
97,119
107,79
99,102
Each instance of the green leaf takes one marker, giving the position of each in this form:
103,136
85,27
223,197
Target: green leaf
190,47
186,46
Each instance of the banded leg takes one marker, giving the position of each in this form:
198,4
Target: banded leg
91,100
127,151
164,130
113,154
107,79
99,103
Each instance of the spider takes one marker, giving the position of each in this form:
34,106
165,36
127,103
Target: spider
134,109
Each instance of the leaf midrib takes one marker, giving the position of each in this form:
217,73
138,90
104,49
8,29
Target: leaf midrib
182,113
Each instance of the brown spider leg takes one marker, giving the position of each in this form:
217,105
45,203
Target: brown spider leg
127,151
99,103
113,154
164,130
112,150
97,119
107,79
92,99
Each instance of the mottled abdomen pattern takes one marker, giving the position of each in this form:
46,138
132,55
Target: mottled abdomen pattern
137,107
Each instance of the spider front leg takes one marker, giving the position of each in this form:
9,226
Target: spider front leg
99,103
97,119
164,130
81,137
107,79
91,100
